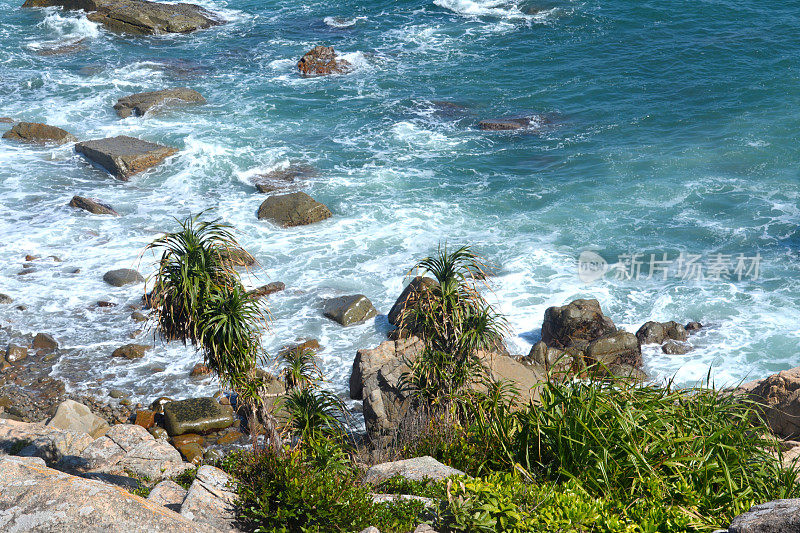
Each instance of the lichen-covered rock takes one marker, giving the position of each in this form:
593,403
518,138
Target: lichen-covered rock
95,207
124,156
293,209
196,415
138,16
416,469
575,324
122,277
74,416
140,103
777,516
321,61
349,310
32,132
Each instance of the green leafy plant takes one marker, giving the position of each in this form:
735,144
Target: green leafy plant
300,369
313,412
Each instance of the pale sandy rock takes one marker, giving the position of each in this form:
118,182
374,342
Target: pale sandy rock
75,416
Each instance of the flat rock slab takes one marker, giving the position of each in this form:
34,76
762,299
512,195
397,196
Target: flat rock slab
140,103
32,132
138,16
416,469
40,499
95,207
122,276
124,156
504,124
349,310
293,209
196,415
778,516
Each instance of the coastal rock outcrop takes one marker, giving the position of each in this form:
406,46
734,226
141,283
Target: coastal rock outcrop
575,324
124,156
73,416
237,257
140,103
777,516
35,133
504,124
406,300
349,310
122,276
321,61
269,288
779,398
96,207
138,16
293,209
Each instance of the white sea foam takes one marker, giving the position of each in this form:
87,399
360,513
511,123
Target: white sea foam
493,8
342,22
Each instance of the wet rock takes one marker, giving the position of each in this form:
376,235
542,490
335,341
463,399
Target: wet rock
187,438
293,209
575,324
210,500
200,370
192,452
73,416
407,299
37,498
6,120
619,347
675,331
651,333
211,455
229,438
63,48
196,415
116,394
504,124
416,469
138,16
672,347
321,61
44,342
131,351
159,433
95,207
145,418
269,288
349,310
16,353
237,257
6,299
283,178
777,516
691,327
124,156
311,345
168,494
140,103
32,132
137,316
122,277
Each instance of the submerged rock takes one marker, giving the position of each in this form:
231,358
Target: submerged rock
349,310
321,61
293,209
95,207
140,103
283,178
122,276
45,342
504,124
138,16
124,156
16,353
32,132
196,415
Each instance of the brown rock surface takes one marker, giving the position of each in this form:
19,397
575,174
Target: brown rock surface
33,132
140,103
124,156
321,61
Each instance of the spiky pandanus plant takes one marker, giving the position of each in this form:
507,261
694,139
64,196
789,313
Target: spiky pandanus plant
454,321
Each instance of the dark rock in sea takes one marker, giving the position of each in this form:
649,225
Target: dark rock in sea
140,103
16,353
619,347
237,257
196,415
122,276
504,124
349,310
45,342
138,16
63,48
675,331
293,209
576,323
777,516
138,316
104,303
32,132
311,345
551,359
269,288
199,370
5,299
283,179
124,156
651,333
321,61
131,351
691,327
672,347
95,207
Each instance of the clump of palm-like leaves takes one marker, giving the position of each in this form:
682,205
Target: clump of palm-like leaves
454,321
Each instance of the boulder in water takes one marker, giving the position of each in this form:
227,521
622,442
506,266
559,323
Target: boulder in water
575,324
95,207
293,209
131,351
140,103
122,276
35,133
321,61
349,310
124,156
504,124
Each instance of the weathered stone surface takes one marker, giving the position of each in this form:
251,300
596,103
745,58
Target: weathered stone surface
779,396
122,276
651,333
145,418
128,436
140,103
552,359
138,16
56,445
6,299
504,124
96,207
269,288
154,459
691,327
675,331
210,500
168,494
349,310
407,299
16,353
293,209
619,347
102,454
321,61
416,469
39,499
75,416
131,351
196,415
311,345
124,156
777,516
32,132
672,347
192,452
45,342
199,370
575,324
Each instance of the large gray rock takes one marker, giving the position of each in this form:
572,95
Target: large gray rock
122,276
293,209
32,132
124,156
321,61
416,469
57,445
779,398
196,415
153,459
138,16
407,299
74,416
210,500
39,499
95,207
778,516
101,455
349,310
140,103
651,333
575,324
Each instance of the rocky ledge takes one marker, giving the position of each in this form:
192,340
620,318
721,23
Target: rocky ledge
124,156
140,103
35,133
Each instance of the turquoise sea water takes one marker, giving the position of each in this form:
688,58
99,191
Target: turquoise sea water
662,127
